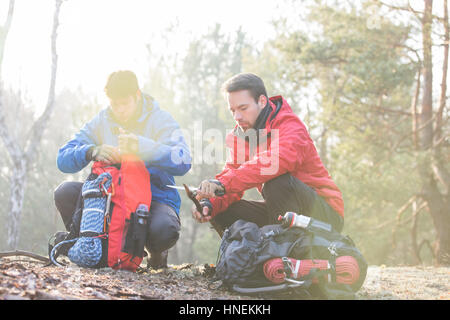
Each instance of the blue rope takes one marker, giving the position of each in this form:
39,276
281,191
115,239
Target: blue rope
53,252
87,251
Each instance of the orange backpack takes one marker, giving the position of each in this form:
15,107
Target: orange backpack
125,213
125,225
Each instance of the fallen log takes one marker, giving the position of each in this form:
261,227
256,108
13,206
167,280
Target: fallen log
25,254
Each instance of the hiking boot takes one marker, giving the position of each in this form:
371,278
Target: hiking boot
60,236
55,239
158,260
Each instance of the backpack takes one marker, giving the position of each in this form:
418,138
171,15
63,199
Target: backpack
277,260
110,224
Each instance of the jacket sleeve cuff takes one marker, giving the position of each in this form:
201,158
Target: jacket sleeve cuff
86,151
88,154
213,210
226,183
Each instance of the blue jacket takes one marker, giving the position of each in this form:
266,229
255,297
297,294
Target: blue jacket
161,146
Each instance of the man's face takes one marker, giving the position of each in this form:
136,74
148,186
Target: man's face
124,108
244,108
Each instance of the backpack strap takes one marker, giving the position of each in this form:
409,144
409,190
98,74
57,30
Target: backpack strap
268,289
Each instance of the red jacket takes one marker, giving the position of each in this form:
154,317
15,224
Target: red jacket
292,152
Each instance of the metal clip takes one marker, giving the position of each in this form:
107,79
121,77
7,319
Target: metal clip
333,249
288,267
104,188
107,207
108,204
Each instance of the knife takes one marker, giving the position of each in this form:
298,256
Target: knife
194,190
191,192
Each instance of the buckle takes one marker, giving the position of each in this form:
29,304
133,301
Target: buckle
333,249
288,267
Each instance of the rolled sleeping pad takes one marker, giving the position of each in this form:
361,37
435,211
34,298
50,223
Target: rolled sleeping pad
347,269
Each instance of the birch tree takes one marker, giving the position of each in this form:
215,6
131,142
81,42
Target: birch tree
23,154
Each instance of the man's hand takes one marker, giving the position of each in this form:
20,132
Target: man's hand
106,153
205,215
128,142
210,188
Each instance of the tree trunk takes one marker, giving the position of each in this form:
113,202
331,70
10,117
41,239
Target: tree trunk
439,209
427,71
17,187
21,157
439,197
431,168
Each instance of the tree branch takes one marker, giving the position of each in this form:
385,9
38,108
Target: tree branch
25,254
409,8
38,128
415,51
441,175
381,109
12,148
4,30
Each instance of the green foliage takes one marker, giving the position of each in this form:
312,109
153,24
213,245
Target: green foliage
365,83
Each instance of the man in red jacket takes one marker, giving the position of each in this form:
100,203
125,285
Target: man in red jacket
271,150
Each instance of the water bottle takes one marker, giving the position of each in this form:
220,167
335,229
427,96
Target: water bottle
141,229
142,214
291,219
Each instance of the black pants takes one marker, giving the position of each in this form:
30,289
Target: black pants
164,227
281,194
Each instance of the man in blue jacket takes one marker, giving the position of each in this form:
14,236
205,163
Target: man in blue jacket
132,123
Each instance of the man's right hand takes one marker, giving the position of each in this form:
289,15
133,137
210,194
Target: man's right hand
210,188
106,153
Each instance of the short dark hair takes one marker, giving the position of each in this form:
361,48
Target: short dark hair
246,81
121,84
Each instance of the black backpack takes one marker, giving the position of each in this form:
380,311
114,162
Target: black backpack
245,248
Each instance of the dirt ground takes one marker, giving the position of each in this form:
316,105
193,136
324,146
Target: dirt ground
22,278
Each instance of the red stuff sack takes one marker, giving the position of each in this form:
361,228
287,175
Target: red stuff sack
128,211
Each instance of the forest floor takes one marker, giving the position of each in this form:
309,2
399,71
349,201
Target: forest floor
22,278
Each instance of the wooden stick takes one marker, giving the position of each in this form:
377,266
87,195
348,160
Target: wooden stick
24,253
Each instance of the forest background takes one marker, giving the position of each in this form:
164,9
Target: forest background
368,78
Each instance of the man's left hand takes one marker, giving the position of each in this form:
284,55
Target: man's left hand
128,142
203,216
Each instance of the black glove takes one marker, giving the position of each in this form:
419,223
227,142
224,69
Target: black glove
89,154
105,153
206,203
219,193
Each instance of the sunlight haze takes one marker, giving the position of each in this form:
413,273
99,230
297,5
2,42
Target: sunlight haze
98,37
